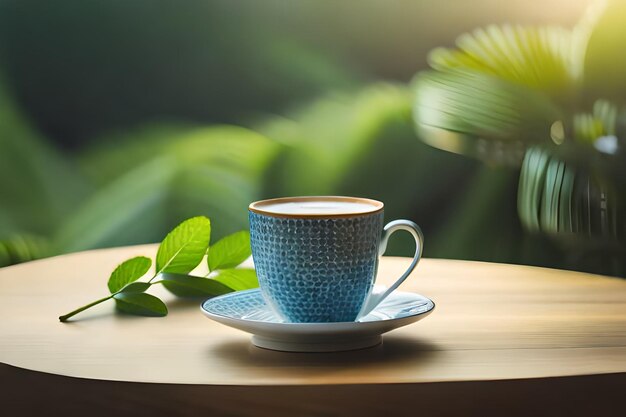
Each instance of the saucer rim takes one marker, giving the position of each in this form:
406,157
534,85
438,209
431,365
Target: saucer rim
310,325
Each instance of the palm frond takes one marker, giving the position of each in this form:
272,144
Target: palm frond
558,198
531,185
548,59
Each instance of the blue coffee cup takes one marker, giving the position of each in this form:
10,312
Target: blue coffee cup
317,257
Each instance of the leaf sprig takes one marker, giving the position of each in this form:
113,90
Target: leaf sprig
179,253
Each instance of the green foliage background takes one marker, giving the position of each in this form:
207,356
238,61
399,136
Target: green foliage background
120,119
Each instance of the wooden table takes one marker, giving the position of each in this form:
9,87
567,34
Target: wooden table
504,340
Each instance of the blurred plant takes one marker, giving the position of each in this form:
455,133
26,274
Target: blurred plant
146,181
181,252
38,187
516,96
152,177
23,247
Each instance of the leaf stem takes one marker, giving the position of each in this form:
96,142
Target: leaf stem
85,307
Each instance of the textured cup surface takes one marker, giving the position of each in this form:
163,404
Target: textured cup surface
316,269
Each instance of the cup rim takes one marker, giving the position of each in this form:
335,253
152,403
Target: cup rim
257,206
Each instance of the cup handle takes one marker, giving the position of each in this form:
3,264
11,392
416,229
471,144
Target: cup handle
376,298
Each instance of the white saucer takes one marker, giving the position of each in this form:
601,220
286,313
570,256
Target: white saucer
247,311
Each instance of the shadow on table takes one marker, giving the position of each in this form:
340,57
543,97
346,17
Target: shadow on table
392,349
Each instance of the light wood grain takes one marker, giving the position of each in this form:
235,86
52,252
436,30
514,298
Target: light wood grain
492,322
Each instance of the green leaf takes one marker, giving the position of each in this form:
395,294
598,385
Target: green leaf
185,246
128,271
238,279
140,304
136,287
230,251
192,286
